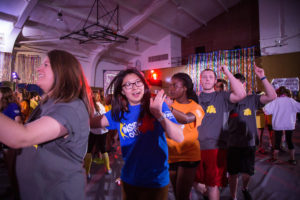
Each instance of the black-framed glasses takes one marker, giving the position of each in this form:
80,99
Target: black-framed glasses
129,85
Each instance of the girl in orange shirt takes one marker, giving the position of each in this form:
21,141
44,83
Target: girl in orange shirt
184,157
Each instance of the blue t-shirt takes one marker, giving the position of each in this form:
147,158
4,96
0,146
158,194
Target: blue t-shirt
145,152
12,111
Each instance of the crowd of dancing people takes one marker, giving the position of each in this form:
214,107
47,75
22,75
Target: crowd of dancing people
174,139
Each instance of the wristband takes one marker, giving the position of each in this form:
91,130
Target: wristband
171,109
161,118
263,78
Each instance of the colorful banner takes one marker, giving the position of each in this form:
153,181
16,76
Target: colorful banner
24,65
5,66
237,60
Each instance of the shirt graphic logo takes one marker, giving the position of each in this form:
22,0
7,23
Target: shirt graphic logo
129,130
211,109
247,112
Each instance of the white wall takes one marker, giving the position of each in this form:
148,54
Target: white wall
279,20
175,45
105,65
87,70
171,45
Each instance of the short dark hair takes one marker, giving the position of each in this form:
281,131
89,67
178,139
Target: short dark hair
188,83
220,80
283,90
209,70
240,77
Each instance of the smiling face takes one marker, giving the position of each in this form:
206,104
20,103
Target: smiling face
208,80
133,88
45,76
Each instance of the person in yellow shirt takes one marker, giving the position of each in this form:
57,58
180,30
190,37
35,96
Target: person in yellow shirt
25,104
34,101
184,157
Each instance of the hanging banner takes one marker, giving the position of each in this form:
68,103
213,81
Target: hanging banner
290,83
237,60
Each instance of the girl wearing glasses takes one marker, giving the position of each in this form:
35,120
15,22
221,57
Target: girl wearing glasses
184,157
141,123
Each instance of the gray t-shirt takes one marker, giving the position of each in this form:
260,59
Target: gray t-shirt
242,122
213,130
53,170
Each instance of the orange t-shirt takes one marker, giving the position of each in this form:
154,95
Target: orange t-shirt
189,148
25,108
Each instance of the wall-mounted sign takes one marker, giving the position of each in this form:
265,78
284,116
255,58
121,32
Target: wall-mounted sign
108,76
290,83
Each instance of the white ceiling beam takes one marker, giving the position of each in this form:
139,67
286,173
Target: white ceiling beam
62,45
47,49
7,17
128,51
223,5
167,27
40,41
25,13
46,28
137,20
197,18
200,20
127,7
135,11
19,25
44,51
143,38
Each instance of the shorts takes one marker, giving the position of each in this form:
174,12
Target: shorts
213,168
130,192
186,164
241,160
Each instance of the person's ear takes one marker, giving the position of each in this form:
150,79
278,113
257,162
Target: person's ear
185,89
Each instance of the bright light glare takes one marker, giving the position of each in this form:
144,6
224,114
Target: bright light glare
6,28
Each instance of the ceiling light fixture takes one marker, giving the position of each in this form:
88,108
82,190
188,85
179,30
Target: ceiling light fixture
59,16
98,31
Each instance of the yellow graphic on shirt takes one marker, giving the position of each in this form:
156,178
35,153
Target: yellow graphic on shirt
211,109
121,131
247,112
35,146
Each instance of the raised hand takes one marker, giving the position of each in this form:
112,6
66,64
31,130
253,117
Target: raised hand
156,104
169,101
224,68
259,71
